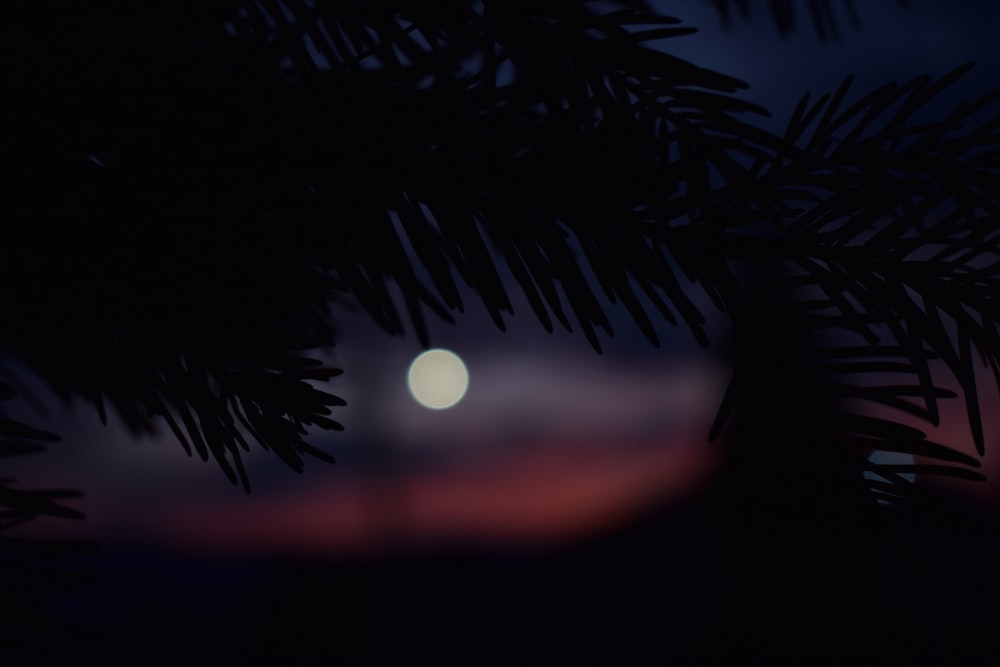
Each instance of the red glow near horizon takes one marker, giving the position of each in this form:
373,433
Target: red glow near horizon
548,493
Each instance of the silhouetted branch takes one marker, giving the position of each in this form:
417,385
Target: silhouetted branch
391,140
22,569
826,20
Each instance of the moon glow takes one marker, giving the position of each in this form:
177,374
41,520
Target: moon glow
438,379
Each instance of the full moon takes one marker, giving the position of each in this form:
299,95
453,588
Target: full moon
438,379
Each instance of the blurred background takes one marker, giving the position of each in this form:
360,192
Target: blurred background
561,487
551,442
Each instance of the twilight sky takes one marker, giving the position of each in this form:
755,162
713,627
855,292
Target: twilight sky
893,44
551,440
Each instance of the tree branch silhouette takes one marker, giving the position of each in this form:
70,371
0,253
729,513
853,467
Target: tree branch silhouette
24,577
229,188
826,20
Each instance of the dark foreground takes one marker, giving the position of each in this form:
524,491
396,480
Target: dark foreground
677,587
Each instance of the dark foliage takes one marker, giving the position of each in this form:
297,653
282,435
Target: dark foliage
195,184
226,188
26,565
827,20
230,169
